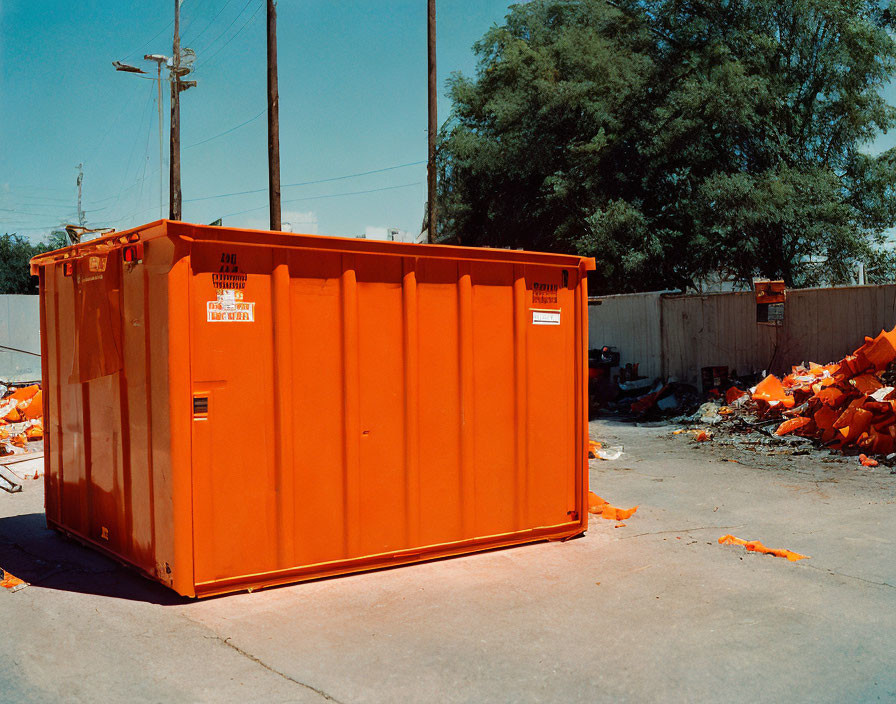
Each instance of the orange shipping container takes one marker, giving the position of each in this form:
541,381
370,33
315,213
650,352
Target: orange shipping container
229,409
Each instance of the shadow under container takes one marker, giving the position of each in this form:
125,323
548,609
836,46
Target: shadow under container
233,409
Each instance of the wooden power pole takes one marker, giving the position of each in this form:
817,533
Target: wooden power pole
174,196
433,123
82,220
273,120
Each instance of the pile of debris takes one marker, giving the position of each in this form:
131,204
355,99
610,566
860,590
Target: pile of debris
849,405
21,418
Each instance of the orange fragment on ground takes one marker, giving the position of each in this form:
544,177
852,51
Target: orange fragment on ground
702,436
788,426
9,581
600,507
593,447
595,503
611,513
867,461
756,546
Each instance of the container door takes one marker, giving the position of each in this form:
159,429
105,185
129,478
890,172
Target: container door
231,348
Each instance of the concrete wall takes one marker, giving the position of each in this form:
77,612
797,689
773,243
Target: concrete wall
672,335
19,329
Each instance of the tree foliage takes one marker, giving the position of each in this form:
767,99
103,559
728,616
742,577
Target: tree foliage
15,254
679,139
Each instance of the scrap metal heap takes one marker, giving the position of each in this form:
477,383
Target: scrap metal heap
21,418
849,405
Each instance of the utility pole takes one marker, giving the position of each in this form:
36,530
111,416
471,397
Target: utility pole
180,65
174,195
161,151
159,59
433,122
273,120
81,218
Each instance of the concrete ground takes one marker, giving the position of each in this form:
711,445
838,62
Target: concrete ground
656,610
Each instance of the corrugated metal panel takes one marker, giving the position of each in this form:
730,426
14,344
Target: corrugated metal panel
679,335
20,330
631,324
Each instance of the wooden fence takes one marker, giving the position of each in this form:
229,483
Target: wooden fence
674,335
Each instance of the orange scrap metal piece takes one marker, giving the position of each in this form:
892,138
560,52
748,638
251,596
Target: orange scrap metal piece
877,352
867,461
788,426
867,383
24,393
601,507
771,390
756,546
732,394
33,407
9,581
593,447
702,436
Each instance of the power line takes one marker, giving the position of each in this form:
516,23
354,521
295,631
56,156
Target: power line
44,200
329,195
192,19
137,135
221,134
196,38
235,35
42,227
155,36
250,210
309,183
233,22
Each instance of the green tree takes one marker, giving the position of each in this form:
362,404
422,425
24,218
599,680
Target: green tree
15,254
676,140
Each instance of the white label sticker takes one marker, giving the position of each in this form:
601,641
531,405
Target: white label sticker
227,298
236,312
545,317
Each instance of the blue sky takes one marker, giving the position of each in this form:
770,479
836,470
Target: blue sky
352,99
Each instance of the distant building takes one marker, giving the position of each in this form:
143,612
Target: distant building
390,234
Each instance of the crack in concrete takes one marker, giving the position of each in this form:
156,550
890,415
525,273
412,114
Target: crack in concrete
814,567
680,530
851,576
258,661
